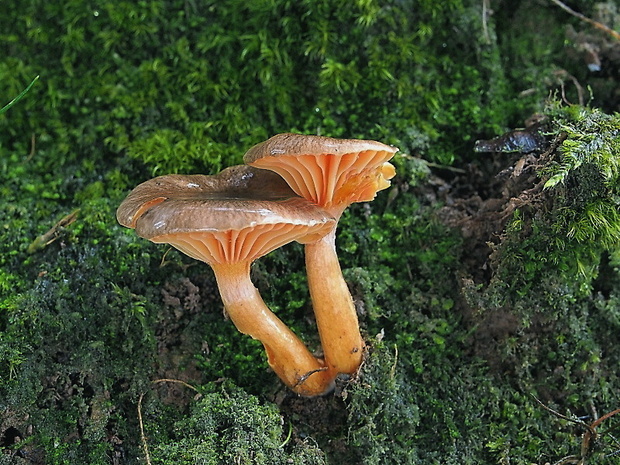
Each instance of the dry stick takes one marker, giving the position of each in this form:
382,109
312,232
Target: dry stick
564,417
605,417
578,87
589,436
485,15
444,167
145,445
178,381
596,24
33,141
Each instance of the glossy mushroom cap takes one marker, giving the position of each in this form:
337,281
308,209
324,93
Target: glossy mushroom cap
227,221
240,214
234,182
330,172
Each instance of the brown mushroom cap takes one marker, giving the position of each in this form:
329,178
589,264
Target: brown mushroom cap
240,214
330,172
234,182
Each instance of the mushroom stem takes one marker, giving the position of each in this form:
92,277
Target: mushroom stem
334,310
286,353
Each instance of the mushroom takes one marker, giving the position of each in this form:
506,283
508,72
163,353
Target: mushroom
229,220
332,173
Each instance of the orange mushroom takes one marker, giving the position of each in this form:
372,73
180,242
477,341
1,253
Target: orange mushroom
332,173
228,221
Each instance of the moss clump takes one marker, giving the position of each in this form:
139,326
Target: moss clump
227,426
542,320
383,414
576,217
587,176
67,342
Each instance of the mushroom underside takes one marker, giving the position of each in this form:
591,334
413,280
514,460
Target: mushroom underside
328,179
233,246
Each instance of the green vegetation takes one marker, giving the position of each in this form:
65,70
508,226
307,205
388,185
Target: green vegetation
468,317
229,426
578,212
19,97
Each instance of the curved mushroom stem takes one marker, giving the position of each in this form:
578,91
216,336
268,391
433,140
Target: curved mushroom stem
286,353
333,307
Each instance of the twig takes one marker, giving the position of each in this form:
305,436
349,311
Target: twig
304,377
589,438
54,233
145,445
445,167
178,381
393,368
33,141
564,417
580,98
485,15
605,417
596,24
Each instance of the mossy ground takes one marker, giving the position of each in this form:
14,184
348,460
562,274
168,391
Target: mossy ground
483,281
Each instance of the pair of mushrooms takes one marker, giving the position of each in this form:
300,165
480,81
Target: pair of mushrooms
293,188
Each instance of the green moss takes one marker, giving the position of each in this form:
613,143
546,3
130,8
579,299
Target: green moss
229,426
189,88
130,89
539,320
577,220
588,174
383,414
